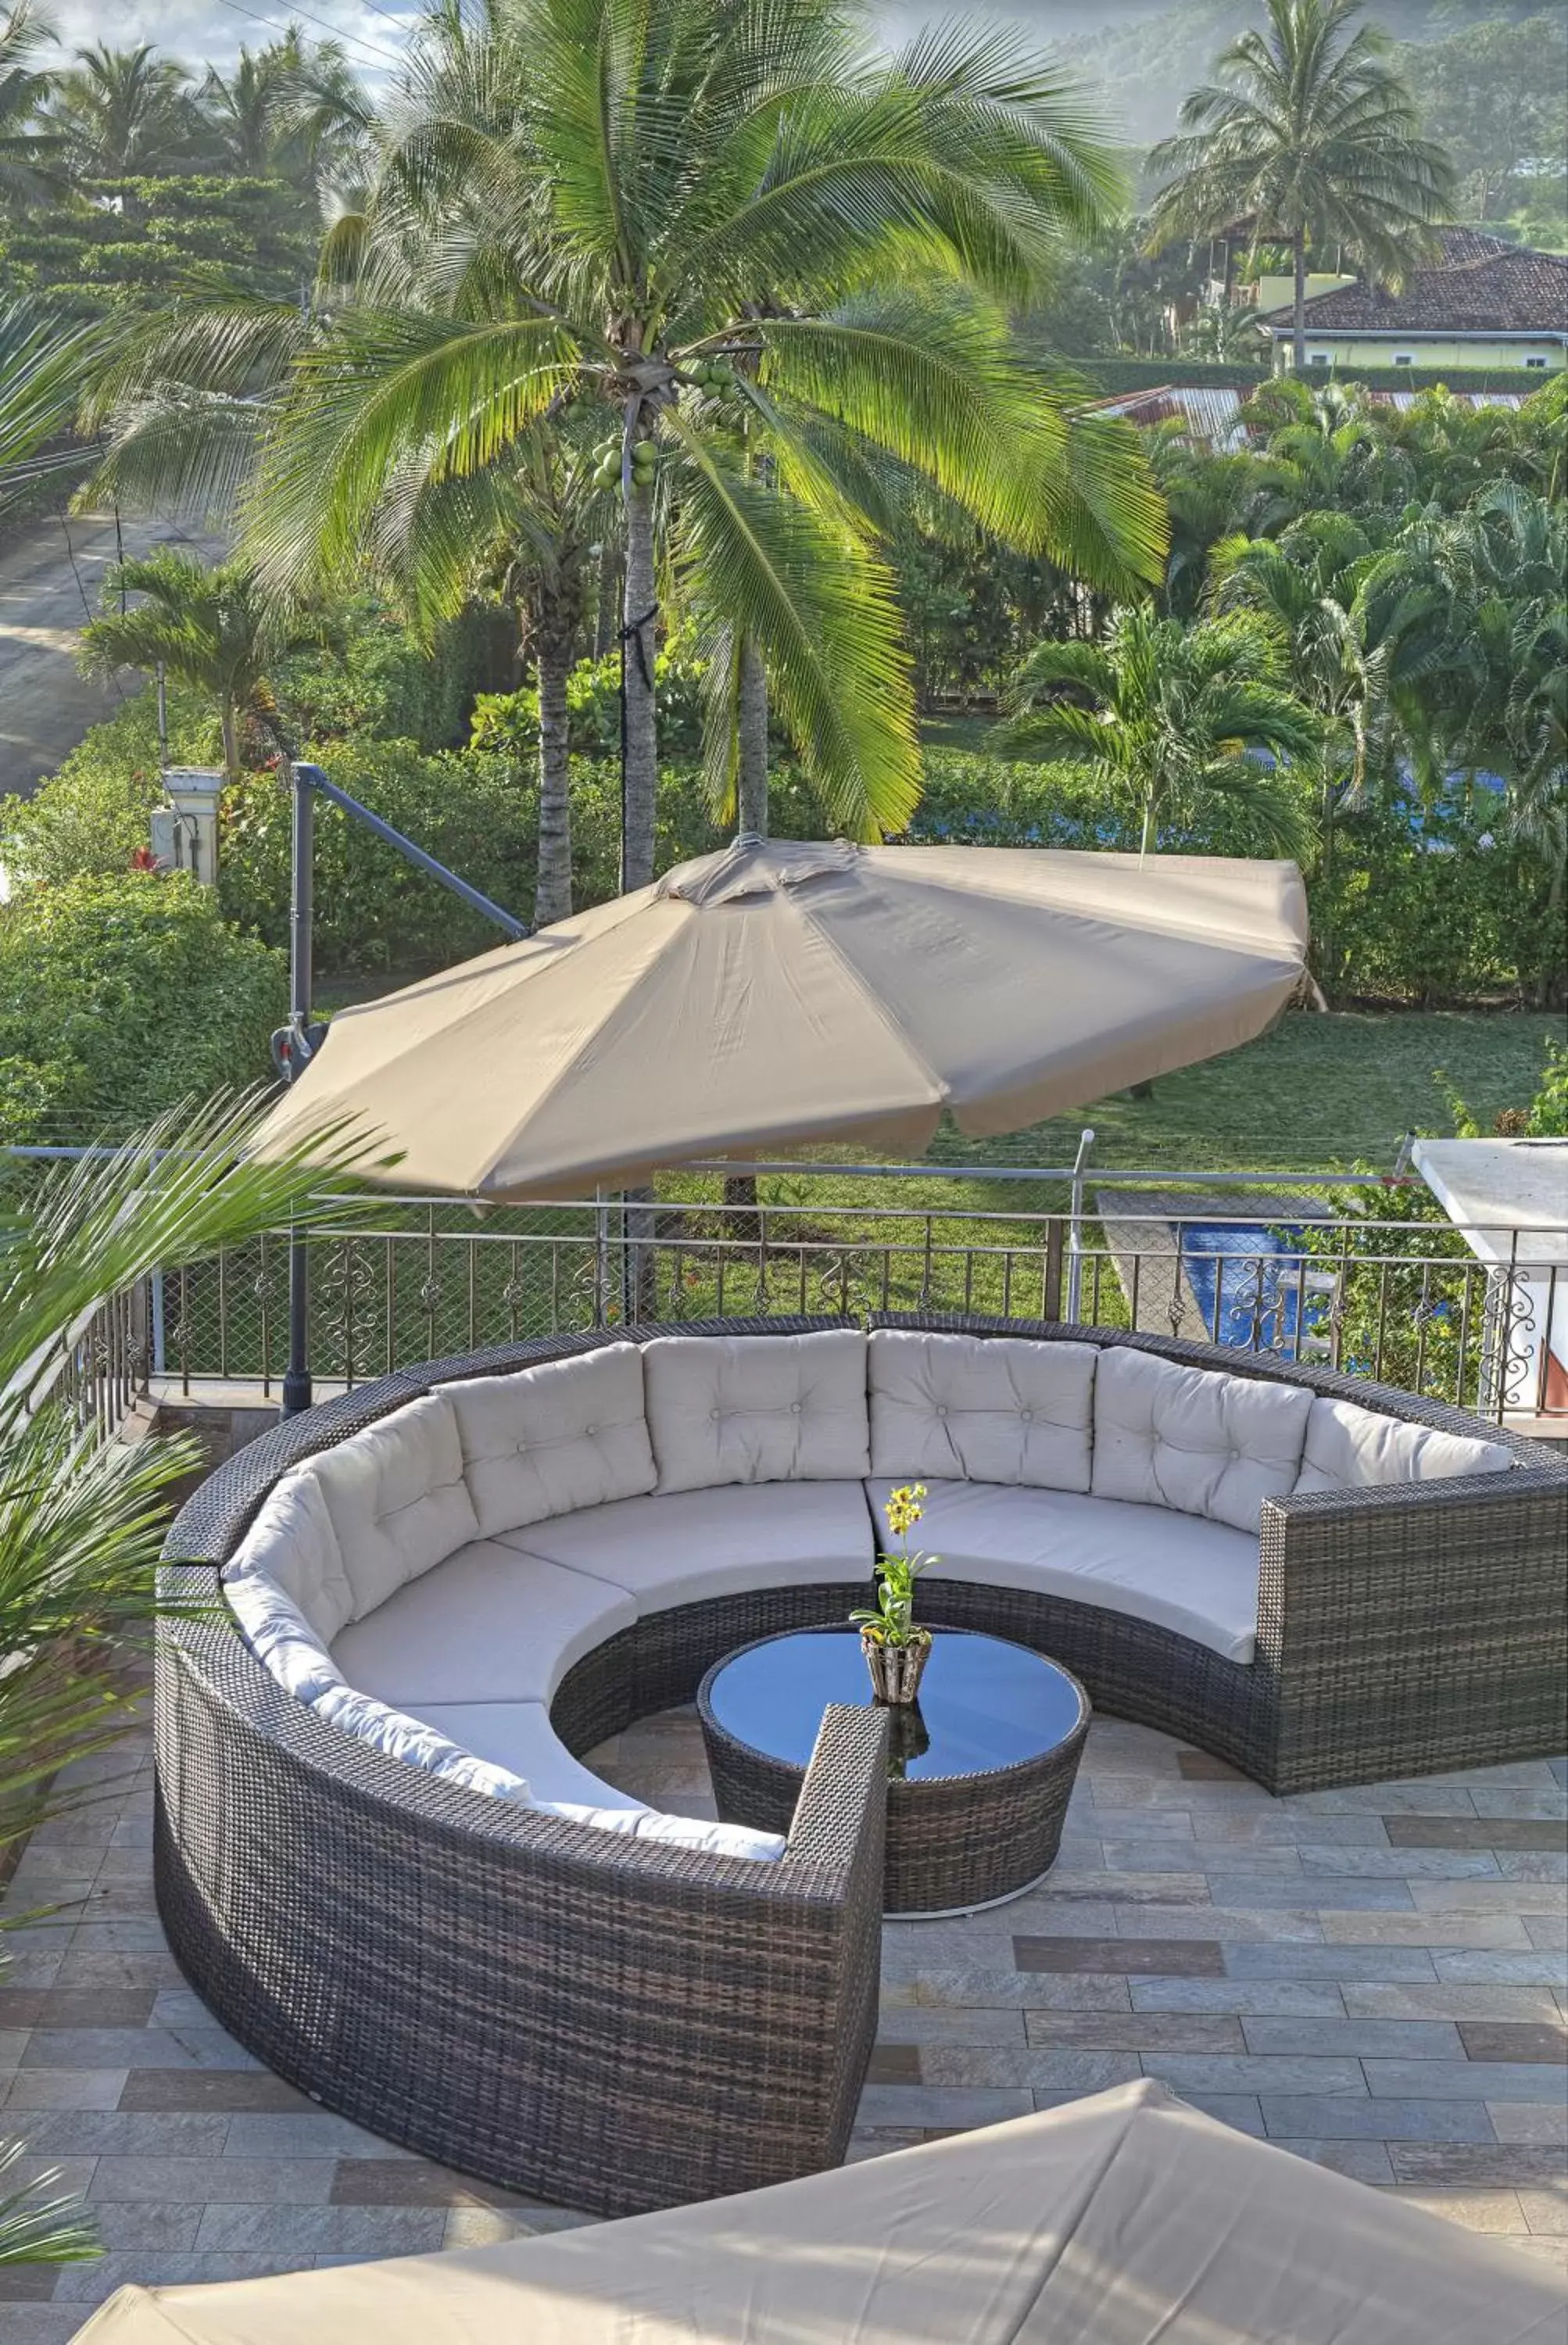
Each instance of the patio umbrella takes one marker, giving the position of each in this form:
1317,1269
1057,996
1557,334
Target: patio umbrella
1112,2221
784,993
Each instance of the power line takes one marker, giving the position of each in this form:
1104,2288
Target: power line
337,31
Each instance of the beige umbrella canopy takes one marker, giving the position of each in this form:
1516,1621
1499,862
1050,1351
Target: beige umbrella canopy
782,994
1114,2221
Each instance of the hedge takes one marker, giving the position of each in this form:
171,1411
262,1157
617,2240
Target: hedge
1114,375
120,997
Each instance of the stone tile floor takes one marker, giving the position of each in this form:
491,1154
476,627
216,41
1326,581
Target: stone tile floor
1376,1979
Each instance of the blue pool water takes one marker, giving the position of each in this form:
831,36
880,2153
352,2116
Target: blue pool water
1237,1268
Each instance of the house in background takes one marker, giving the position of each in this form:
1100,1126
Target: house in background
1487,303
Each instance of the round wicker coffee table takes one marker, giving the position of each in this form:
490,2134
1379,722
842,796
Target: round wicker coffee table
979,1771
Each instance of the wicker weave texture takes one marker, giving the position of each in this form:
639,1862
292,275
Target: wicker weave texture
619,2024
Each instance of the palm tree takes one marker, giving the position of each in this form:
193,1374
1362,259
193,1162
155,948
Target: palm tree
122,111
1366,638
696,229
250,111
1310,137
45,367
529,527
81,1518
1363,632
283,109
27,151
1327,449
213,627
1168,718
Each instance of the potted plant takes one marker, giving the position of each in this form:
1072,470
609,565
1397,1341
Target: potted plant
896,1646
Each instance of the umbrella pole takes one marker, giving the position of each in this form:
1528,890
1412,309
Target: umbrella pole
297,1387
1075,1227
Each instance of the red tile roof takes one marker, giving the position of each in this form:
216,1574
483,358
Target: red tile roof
1482,286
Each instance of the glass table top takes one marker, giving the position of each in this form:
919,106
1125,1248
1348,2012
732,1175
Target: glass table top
983,1702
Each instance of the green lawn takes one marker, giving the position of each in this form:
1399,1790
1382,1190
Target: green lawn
1316,1094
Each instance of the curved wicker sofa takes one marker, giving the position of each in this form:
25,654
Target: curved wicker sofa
545,1989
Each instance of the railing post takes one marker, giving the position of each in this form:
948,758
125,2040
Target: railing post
1051,1292
1075,1227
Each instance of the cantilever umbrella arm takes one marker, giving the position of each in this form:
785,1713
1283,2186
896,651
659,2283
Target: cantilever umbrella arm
295,1045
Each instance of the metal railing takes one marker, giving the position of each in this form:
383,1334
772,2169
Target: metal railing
1401,1300
99,1369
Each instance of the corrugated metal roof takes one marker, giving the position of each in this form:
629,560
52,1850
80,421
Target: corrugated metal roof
1211,414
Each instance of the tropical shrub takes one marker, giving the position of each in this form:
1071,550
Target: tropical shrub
121,996
1434,908
381,680
93,815
374,911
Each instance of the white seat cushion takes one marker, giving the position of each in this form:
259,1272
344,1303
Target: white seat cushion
993,1408
279,1636
1181,1571
1189,1438
397,1498
416,1743
1354,1449
566,1434
702,1543
490,1624
697,1832
518,1736
293,1545
757,1409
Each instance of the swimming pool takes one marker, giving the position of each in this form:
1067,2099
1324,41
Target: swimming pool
1244,1276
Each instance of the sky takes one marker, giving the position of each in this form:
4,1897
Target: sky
209,32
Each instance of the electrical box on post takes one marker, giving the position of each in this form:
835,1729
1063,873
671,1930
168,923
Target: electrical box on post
184,832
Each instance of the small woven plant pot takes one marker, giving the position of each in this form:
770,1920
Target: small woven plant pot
896,1669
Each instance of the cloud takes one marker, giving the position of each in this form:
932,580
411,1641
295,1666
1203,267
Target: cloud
207,32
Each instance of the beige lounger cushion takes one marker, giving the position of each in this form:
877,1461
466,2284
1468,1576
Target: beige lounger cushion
416,1742
696,1544
757,1409
518,1736
279,1634
566,1434
397,1498
1194,1440
1354,1449
1180,1571
292,1543
994,1408
491,1625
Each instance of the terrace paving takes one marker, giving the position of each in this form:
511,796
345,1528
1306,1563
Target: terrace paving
1376,1979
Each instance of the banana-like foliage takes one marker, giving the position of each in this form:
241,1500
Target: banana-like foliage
766,267
81,1518
1168,718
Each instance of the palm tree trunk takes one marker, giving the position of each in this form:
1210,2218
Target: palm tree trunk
752,732
1298,319
553,886
639,754
1146,838
228,719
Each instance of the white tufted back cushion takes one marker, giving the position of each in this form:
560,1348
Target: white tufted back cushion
397,1499
757,1409
1187,1437
549,1439
993,1408
1354,1449
292,1548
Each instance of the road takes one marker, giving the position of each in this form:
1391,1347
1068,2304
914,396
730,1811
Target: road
51,577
